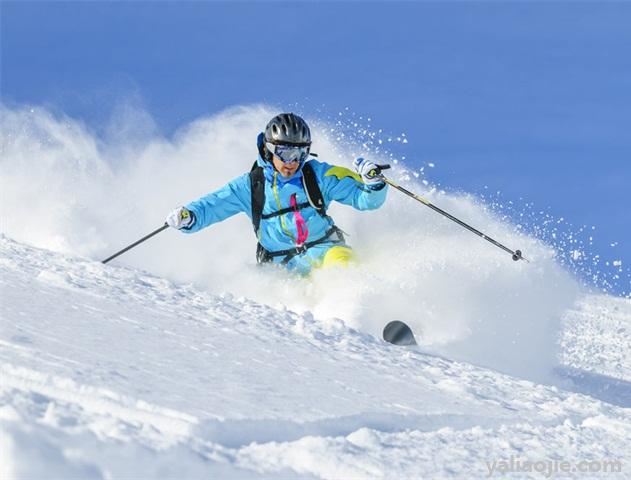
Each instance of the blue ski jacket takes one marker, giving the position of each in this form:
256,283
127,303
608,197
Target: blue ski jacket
281,232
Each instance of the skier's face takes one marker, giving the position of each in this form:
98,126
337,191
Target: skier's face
285,169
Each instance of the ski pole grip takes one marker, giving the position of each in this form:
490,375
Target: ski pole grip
379,169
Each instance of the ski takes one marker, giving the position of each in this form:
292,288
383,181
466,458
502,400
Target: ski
398,333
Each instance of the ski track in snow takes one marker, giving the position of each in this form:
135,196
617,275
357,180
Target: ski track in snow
110,372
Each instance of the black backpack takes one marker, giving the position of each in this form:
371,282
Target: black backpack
257,185
314,199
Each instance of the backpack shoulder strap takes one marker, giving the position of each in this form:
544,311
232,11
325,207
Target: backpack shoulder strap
257,187
312,189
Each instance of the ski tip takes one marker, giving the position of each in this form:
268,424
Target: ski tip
398,333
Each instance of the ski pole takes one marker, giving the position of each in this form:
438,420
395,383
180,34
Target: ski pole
129,247
516,255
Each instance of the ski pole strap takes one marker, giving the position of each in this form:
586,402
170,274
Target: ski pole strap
516,255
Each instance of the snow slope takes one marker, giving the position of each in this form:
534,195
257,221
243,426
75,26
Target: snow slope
110,372
90,194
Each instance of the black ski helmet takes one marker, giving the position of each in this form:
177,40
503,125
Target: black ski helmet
288,129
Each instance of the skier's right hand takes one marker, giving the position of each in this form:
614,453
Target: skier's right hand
180,218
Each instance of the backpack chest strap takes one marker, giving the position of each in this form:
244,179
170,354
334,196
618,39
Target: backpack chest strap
300,206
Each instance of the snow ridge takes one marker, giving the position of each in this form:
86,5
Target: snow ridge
110,372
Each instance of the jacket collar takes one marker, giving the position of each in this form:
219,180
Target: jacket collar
269,170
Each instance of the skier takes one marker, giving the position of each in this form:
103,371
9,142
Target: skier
286,196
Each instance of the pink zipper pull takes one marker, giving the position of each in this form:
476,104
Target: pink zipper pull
301,225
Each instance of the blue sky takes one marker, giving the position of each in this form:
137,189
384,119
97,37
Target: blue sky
529,98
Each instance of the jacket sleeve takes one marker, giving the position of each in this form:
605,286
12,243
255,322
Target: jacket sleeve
345,186
229,200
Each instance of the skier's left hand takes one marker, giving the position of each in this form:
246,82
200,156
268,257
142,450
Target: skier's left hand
370,173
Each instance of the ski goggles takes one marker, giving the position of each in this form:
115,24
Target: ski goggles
289,153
